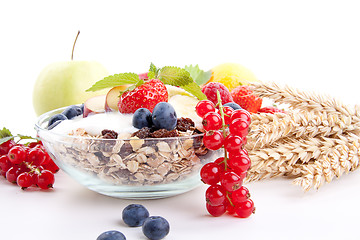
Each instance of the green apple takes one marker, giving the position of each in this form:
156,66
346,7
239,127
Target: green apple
62,84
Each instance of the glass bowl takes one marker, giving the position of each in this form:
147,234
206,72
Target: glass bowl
128,168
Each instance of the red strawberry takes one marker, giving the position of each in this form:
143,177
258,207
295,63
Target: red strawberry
271,109
210,90
146,95
245,97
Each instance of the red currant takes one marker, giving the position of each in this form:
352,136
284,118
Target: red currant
227,114
24,180
45,179
233,143
203,107
216,211
245,208
5,163
221,162
13,173
51,166
215,195
6,146
213,140
240,195
241,114
239,127
17,154
212,121
239,163
230,181
210,173
36,156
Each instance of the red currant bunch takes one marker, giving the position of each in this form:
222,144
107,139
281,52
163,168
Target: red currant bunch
26,165
226,129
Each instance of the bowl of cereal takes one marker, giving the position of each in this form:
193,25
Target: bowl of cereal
106,154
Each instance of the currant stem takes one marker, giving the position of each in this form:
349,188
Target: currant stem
229,199
223,127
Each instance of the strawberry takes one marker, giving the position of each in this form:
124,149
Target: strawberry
271,109
210,90
146,95
245,97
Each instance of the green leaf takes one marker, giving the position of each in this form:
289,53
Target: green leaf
5,133
195,90
176,76
115,80
153,71
199,76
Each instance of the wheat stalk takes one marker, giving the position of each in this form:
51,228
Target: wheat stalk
303,100
315,142
297,124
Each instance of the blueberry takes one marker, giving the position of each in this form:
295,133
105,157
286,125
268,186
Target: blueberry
55,118
233,105
72,111
156,227
111,235
134,215
142,118
164,116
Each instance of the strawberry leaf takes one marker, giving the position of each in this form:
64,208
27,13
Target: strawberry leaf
199,76
115,80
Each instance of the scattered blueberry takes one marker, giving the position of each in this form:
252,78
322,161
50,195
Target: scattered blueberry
156,227
55,118
111,235
134,215
164,116
72,111
233,105
142,118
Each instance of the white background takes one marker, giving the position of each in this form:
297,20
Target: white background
312,45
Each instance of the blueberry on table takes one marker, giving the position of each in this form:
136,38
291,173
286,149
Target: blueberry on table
164,116
142,118
233,105
111,235
55,118
156,228
72,111
134,215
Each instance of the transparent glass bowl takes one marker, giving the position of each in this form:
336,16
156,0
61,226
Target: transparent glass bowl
128,168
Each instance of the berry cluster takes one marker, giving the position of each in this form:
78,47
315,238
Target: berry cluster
226,128
27,164
136,215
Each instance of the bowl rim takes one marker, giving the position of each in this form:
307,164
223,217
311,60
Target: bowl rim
43,118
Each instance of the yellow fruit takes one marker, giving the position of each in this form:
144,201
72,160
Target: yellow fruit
232,75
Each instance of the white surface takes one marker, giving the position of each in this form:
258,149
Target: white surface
307,44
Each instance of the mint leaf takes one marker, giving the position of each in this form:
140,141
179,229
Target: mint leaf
114,80
153,71
180,77
199,76
195,90
175,76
